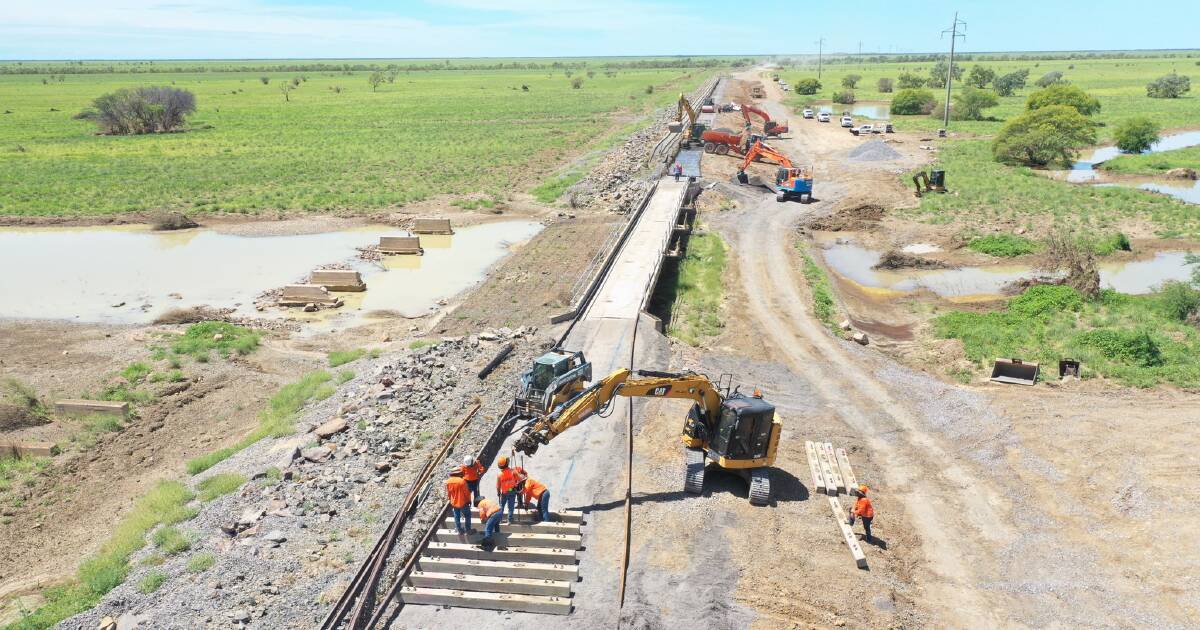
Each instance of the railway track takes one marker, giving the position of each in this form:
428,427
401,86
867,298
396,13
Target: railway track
360,605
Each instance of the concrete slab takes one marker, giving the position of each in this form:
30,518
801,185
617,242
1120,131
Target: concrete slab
338,279
401,245
843,461
814,468
826,470
834,468
508,554
432,226
489,583
566,516
545,527
491,601
301,294
540,570
856,550
514,539
28,449
81,407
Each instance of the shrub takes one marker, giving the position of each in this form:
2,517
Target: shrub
1169,86
219,485
808,86
264,80
142,110
1064,94
1112,243
909,81
1050,78
845,97
151,582
851,80
937,74
970,103
1048,135
980,76
1008,84
1005,245
1043,300
884,85
1135,135
1179,300
576,83
911,101
1125,346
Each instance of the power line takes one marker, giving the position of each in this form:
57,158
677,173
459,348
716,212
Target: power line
954,35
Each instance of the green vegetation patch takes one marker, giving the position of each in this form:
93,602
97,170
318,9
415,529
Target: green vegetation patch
1006,245
342,357
824,306
151,582
1139,340
202,338
165,504
690,296
171,540
201,562
19,472
553,188
1154,163
219,485
277,420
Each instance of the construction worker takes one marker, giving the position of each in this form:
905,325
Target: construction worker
472,471
531,491
506,486
489,514
459,496
863,510
677,171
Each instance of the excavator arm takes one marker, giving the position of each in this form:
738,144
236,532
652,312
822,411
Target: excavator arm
770,127
685,107
596,398
761,150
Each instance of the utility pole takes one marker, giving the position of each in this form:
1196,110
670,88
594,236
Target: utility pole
954,35
860,57
820,48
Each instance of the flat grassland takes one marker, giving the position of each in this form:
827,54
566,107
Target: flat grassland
332,144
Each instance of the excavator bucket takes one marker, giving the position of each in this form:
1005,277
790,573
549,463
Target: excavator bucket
675,127
1015,371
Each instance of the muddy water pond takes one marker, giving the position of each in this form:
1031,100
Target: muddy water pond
876,111
853,263
1084,171
130,275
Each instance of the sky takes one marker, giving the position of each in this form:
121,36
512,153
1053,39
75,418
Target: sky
262,29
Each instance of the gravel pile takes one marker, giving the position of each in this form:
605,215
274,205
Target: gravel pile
874,151
620,181
287,542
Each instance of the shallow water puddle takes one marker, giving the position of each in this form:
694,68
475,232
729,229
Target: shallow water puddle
854,263
865,110
83,273
1085,170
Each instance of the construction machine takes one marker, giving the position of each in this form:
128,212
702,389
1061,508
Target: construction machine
690,131
725,141
770,127
554,378
790,181
735,432
934,181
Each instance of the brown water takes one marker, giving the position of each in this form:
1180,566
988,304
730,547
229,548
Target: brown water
854,263
83,274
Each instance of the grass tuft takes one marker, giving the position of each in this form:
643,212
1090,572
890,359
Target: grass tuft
1004,245
201,339
201,562
219,485
170,540
342,357
151,582
824,306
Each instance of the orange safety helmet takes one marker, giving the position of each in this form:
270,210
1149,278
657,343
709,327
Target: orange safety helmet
503,461
862,489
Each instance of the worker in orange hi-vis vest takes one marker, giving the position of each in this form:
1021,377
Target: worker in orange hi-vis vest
489,513
472,471
459,496
532,491
506,486
863,510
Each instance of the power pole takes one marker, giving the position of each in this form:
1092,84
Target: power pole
820,48
954,35
860,57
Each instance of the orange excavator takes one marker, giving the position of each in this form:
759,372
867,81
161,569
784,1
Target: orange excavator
770,127
790,181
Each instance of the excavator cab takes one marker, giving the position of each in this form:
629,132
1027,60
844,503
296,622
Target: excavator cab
743,430
554,377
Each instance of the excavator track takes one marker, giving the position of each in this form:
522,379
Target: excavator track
760,486
693,482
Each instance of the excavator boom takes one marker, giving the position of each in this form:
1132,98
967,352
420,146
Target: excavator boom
761,150
770,127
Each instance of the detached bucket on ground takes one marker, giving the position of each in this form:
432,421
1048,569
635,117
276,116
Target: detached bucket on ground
1015,371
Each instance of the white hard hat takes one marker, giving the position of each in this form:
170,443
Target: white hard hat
468,460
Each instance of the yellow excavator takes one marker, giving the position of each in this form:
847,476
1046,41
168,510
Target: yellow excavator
734,431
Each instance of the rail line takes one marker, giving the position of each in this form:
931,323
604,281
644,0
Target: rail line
358,606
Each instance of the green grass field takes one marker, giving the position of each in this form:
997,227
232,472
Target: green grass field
247,150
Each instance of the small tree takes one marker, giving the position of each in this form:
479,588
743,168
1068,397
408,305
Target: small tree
1050,78
908,81
649,89
1135,135
576,83
141,110
391,75
845,97
971,101
375,78
884,85
937,75
1008,84
296,81
1064,94
807,86
912,101
980,76
286,89
1039,137
265,80
851,80
1169,86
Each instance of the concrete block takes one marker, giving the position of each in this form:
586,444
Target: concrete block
545,527
489,583
843,461
338,279
508,554
471,566
301,294
814,468
826,470
432,226
28,449
834,469
79,407
490,601
566,516
515,539
856,550
400,245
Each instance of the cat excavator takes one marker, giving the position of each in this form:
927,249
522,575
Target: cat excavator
770,127
734,431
